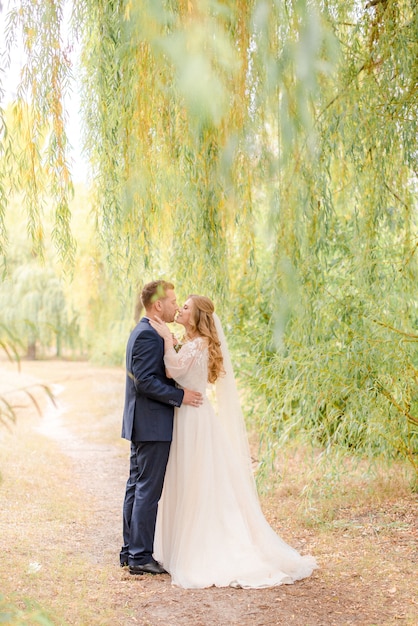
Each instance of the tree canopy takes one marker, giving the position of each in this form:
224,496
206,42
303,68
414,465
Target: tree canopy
263,152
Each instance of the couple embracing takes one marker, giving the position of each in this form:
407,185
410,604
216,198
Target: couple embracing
191,507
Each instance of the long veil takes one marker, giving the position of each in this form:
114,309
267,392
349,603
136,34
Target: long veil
229,410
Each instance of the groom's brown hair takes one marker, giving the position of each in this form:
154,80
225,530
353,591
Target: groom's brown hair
154,291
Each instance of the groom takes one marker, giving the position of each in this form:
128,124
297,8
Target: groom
150,398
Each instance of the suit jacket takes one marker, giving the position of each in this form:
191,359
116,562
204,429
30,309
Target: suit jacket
150,397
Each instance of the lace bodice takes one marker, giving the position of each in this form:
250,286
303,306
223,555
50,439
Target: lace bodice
189,366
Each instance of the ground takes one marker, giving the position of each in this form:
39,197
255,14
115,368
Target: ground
63,477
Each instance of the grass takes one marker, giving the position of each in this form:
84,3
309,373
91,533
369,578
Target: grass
42,509
22,613
357,519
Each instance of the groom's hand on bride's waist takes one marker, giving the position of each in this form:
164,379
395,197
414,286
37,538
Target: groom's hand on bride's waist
192,398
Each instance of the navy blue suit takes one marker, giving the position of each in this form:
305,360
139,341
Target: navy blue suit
150,398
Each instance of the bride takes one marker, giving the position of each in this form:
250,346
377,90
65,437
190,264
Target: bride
210,528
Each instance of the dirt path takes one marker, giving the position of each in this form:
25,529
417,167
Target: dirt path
61,525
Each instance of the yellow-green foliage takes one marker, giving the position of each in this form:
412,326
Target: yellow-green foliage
263,153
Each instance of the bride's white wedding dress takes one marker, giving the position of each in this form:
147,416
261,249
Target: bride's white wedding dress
210,528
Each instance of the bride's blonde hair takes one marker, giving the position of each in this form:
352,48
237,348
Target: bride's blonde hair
202,323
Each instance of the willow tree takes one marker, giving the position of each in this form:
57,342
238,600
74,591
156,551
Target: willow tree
40,153
263,152
344,217
162,128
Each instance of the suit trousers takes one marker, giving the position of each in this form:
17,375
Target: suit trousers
148,463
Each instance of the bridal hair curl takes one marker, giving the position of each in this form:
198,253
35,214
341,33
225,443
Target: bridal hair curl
202,322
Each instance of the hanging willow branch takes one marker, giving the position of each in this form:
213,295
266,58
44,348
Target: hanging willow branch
389,396
39,127
395,330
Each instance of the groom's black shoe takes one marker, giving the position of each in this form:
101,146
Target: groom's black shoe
147,568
